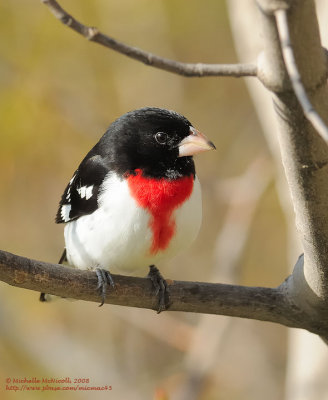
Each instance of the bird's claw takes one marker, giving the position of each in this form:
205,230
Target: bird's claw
104,279
161,288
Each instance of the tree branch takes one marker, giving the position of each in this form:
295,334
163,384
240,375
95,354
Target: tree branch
180,68
295,76
264,304
304,152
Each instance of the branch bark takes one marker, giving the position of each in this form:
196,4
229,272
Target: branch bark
264,304
294,75
180,68
304,152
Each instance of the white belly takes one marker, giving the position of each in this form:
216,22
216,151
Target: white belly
117,236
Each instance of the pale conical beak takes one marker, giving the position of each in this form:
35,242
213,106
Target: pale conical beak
194,143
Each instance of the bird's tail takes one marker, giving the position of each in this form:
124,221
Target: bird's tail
43,296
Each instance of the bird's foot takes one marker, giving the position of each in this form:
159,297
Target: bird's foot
104,279
161,288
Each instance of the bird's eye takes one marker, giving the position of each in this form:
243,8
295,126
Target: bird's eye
161,137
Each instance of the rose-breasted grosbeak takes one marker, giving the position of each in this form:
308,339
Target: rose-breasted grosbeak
135,199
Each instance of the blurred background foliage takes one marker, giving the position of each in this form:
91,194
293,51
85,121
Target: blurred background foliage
58,93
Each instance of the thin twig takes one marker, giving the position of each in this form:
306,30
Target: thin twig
295,77
180,68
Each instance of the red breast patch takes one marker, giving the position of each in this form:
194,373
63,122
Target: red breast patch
160,197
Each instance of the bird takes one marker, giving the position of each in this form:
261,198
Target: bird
135,199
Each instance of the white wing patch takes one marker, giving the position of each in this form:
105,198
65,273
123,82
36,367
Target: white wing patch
68,195
64,212
85,192
73,177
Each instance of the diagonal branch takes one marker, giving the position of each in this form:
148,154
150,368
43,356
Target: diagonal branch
180,68
295,76
264,304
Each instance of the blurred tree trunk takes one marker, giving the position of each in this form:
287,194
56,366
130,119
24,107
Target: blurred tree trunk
307,355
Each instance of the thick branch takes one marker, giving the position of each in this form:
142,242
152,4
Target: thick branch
264,304
180,68
304,152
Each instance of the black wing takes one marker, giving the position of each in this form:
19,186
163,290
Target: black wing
81,194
